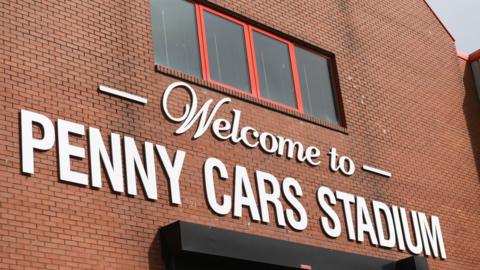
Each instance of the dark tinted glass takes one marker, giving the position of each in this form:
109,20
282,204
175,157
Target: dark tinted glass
175,36
227,57
316,85
274,69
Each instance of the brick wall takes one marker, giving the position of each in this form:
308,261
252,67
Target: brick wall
409,104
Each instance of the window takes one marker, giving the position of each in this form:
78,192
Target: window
274,69
175,35
226,49
202,42
316,85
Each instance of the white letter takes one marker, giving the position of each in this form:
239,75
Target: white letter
347,199
333,159
243,136
243,182
273,197
29,143
190,114
398,228
379,207
210,164
336,230
173,171
311,153
415,249
290,145
364,222
66,150
220,125
432,238
98,153
132,161
235,125
301,224
263,143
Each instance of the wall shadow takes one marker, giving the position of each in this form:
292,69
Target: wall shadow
155,258
471,110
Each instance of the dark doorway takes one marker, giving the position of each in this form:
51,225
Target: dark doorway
193,261
188,246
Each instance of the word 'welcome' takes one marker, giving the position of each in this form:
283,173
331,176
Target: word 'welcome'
224,129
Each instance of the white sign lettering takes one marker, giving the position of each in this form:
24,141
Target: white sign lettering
427,235
385,226
98,154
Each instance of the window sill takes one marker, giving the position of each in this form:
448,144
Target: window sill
245,97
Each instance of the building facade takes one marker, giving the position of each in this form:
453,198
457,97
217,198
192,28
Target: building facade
170,134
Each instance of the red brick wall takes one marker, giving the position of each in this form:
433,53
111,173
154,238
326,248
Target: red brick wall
406,104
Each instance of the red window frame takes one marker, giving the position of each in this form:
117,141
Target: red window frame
252,65
204,49
293,65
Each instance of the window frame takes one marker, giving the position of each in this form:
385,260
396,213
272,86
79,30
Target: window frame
293,66
333,74
204,48
248,29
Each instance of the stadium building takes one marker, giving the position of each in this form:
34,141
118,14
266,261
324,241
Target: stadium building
179,135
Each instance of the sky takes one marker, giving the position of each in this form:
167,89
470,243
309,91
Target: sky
462,18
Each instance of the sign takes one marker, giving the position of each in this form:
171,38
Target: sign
387,226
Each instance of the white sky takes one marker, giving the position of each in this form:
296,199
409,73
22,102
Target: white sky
462,18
